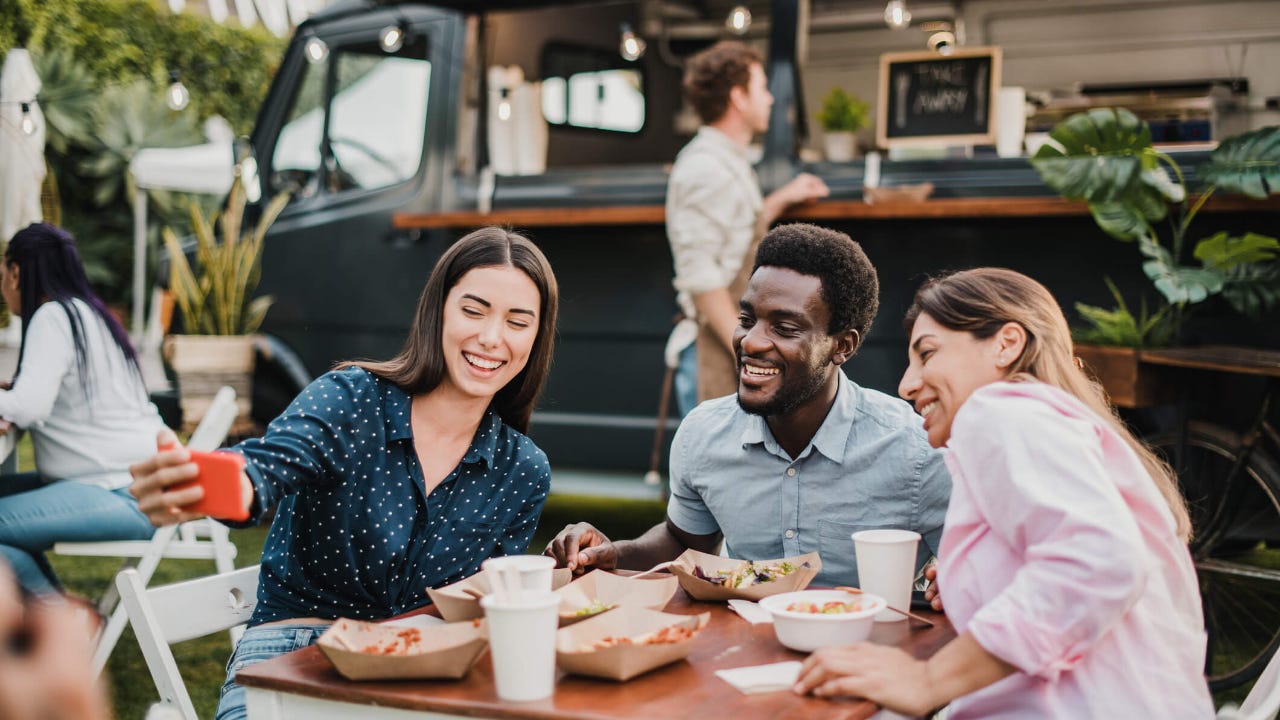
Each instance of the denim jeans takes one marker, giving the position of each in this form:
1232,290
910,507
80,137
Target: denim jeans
34,515
686,380
258,644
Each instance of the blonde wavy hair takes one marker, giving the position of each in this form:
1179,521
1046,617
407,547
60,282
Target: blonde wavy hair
983,300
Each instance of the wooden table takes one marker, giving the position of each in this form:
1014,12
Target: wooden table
303,684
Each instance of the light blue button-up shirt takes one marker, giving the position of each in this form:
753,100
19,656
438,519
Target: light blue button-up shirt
868,466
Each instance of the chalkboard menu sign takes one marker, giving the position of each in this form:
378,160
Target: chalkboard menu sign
931,99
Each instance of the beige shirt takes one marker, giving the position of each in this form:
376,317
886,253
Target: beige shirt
713,200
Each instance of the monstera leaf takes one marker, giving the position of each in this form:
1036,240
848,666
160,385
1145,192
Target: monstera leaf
1104,157
1248,164
1224,252
1179,284
1252,290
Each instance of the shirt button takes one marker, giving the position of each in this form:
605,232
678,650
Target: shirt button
791,534
791,472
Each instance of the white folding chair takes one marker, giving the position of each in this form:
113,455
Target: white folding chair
162,616
1263,701
202,539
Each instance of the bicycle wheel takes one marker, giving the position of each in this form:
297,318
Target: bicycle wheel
1238,567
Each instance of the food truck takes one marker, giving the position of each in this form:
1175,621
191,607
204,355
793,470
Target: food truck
399,126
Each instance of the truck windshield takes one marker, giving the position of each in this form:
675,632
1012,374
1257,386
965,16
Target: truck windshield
368,135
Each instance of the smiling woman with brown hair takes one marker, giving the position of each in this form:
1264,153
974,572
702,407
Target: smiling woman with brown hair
1063,562
396,476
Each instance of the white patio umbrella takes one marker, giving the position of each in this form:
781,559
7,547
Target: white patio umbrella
21,153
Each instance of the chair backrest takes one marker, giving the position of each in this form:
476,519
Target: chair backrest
169,614
216,423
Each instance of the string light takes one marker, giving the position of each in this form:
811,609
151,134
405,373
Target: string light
504,105
896,15
28,122
177,96
739,20
632,46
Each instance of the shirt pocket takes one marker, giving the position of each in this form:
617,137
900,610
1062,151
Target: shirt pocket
839,557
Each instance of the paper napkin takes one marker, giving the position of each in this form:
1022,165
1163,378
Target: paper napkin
762,678
750,611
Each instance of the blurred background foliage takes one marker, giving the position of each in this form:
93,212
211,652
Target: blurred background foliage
104,65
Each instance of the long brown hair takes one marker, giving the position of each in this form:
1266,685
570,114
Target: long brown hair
982,300
420,366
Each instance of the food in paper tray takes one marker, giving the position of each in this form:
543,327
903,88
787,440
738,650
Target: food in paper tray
596,607
665,636
405,642
748,573
827,608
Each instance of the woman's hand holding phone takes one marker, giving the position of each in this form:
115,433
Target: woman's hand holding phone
176,485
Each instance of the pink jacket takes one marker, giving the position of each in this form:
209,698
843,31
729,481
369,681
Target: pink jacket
1061,558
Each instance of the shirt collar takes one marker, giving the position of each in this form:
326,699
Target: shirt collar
722,142
396,405
832,435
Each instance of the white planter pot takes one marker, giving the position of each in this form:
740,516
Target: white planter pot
841,145
203,364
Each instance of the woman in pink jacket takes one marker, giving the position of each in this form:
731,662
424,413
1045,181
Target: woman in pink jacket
1063,561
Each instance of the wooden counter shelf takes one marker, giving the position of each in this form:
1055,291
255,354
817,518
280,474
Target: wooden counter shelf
986,207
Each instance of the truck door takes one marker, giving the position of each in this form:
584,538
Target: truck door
356,126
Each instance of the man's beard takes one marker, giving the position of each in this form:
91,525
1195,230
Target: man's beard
789,396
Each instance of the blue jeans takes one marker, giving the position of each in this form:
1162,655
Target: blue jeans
258,644
686,380
34,515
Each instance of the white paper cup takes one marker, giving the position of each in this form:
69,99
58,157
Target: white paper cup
529,572
886,566
522,642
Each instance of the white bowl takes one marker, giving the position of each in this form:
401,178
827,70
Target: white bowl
807,632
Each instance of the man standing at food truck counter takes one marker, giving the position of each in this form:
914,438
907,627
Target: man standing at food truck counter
802,457
716,215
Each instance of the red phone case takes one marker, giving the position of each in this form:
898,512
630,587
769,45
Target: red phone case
220,477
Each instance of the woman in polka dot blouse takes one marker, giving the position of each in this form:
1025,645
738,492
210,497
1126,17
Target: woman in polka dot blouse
396,476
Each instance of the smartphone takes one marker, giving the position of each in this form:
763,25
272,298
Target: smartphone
220,473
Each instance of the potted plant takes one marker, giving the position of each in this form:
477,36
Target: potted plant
1105,158
219,314
842,114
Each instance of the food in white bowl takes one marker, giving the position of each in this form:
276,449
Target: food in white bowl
810,619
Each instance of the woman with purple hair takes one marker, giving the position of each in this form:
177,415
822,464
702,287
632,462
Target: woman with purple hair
79,392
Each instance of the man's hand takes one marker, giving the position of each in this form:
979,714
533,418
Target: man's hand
931,593
803,188
580,547
5,427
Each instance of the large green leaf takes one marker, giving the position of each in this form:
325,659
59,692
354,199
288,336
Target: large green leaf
1223,252
1104,157
1253,289
1248,164
1180,285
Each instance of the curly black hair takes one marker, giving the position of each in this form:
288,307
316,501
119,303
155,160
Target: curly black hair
849,283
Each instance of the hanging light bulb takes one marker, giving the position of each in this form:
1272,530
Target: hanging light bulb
739,20
632,46
392,38
28,122
176,97
896,15
316,50
504,104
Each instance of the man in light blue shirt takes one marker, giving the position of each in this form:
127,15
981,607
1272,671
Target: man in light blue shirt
801,457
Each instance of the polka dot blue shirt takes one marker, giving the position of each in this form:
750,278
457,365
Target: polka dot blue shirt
355,535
